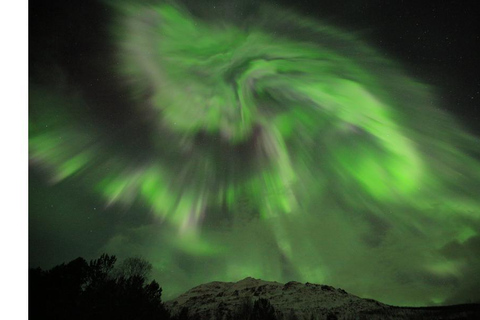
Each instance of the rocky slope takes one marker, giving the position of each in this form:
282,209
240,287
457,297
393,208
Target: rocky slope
210,300
294,300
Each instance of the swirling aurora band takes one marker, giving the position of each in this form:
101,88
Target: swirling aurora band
270,130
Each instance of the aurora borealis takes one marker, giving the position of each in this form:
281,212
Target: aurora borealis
252,140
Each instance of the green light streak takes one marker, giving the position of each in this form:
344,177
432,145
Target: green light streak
309,134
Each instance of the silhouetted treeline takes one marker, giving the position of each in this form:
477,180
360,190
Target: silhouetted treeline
103,289
96,290
261,309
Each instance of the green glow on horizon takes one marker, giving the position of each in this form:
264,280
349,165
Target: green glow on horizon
331,138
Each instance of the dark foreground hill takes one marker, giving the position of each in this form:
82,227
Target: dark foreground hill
257,299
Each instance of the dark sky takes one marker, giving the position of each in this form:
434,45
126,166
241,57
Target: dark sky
70,48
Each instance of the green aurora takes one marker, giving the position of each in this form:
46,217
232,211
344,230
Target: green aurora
278,148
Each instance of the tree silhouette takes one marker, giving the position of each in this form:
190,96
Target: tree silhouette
56,292
136,266
100,269
94,291
244,310
261,309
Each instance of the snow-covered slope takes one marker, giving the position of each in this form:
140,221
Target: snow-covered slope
290,300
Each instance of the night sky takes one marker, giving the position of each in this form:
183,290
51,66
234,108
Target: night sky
317,141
